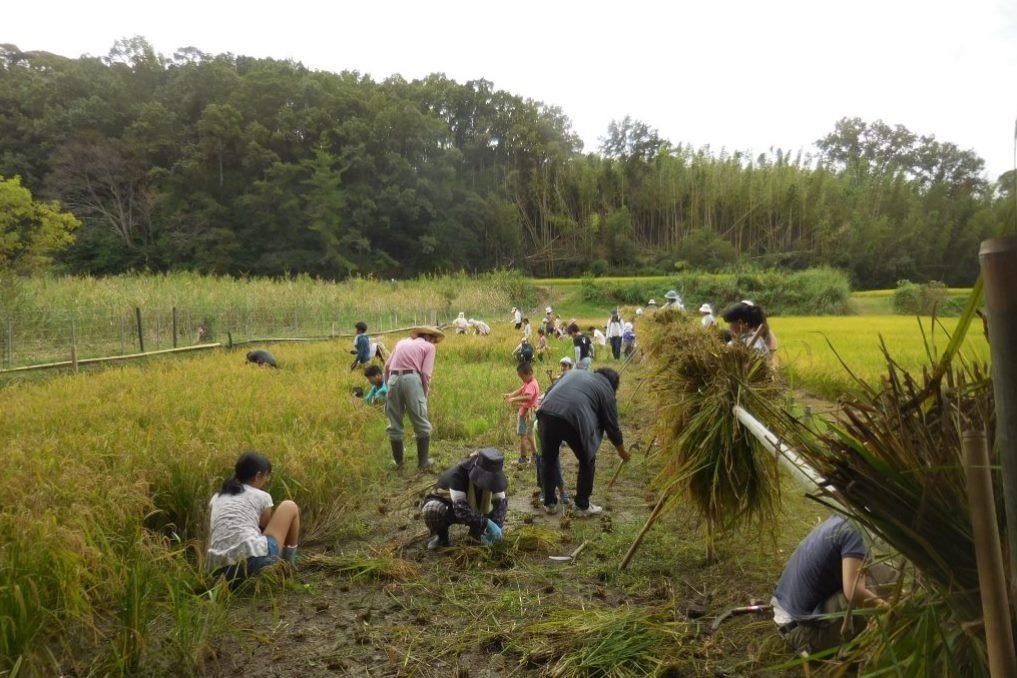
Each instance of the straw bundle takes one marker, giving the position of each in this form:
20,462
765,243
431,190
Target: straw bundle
705,455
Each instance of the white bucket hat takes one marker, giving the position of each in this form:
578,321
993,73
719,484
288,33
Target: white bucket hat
706,308
566,361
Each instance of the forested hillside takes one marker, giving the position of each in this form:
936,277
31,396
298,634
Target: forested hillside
233,164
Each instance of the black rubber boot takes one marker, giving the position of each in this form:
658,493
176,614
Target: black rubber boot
423,462
397,452
438,541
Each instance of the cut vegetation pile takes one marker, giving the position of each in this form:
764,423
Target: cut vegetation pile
705,455
609,643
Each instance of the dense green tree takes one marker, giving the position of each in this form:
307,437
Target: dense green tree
31,232
236,164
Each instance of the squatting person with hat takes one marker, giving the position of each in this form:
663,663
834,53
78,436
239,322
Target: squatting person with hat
579,409
408,375
471,493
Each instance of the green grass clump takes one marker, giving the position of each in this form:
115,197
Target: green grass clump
608,643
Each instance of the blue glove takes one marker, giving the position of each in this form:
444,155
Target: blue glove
493,532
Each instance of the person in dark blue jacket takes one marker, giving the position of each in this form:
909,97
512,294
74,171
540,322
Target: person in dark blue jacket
362,346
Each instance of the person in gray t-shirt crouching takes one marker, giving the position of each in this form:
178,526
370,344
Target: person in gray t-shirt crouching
821,577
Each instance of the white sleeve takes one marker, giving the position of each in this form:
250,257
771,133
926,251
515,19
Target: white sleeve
265,501
498,495
457,496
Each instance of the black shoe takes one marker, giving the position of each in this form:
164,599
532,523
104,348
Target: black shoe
437,542
397,453
423,462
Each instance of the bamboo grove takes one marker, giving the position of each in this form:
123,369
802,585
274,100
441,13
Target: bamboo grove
233,164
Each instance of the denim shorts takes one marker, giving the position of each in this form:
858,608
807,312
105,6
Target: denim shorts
254,564
525,425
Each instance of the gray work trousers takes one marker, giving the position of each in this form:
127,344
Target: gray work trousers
406,396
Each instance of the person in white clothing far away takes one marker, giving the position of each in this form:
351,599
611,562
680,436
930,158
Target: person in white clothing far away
615,329
482,328
517,317
708,319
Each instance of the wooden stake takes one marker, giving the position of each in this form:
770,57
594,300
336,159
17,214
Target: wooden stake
141,335
174,327
989,554
642,533
74,346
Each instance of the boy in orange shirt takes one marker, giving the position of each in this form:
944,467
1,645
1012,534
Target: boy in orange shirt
527,396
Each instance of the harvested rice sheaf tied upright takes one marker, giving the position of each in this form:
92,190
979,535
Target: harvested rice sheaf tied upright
707,458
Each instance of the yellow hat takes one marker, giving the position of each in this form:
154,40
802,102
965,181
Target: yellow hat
427,331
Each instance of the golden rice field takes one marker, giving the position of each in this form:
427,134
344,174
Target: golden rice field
809,362
105,475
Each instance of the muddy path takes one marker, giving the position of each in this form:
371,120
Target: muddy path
324,624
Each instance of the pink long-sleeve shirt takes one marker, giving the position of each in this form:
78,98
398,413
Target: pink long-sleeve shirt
413,354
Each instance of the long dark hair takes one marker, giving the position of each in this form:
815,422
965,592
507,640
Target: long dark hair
249,465
749,313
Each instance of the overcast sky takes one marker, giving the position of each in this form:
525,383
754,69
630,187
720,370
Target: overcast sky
741,75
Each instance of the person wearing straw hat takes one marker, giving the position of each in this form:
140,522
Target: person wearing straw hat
674,301
708,319
408,375
471,493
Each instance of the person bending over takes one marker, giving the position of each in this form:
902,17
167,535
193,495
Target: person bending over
578,410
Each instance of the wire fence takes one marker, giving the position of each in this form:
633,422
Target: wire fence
32,339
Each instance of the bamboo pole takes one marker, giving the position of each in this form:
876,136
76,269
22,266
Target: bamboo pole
998,257
989,554
642,533
807,476
110,359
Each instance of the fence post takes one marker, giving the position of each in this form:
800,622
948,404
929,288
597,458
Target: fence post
141,335
229,339
123,340
998,258
174,327
74,346
158,330
10,343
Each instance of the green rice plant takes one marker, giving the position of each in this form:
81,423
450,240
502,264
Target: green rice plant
705,456
606,643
